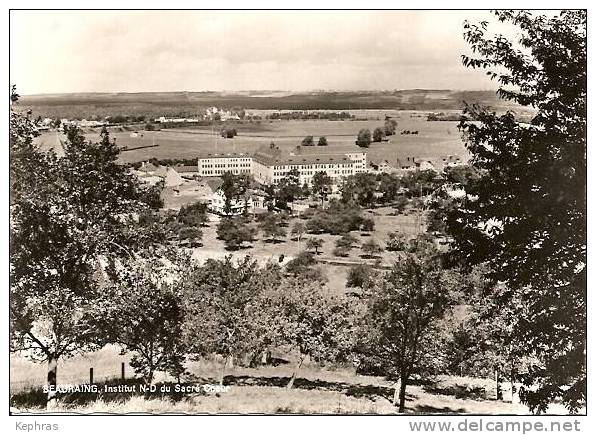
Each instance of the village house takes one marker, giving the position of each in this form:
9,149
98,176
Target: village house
217,200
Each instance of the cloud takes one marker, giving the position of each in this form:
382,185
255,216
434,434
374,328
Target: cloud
109,51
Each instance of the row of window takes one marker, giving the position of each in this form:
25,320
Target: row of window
223,171
317,166
229,159
226,165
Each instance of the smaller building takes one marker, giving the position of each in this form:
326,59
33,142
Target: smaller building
381,167
187,171
217,200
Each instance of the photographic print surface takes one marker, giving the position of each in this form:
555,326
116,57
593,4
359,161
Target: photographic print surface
298,212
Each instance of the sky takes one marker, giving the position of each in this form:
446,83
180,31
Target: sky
159,51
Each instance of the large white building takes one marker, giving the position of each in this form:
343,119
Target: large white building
269,166
215,165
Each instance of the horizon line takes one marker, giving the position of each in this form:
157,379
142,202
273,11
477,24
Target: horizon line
260,90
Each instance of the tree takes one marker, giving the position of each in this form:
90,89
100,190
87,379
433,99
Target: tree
234,233
359,188
271,226
192,235
378,134
314,243
400,204
194,215
234,188
305,316
308,141
390,127
359,276
398,329
346,240
149,127
396,241
303,265
389,185
142,312
529,219
66,213
228,133
298,230
371,248
341,251
363,139
321,184
288,189
343,245
461,174
322,141
220,299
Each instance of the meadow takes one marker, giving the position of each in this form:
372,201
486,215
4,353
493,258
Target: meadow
317,390
435,139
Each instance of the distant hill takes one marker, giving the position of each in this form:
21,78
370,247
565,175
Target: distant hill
87,105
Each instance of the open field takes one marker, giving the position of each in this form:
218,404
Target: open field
317,390
435,139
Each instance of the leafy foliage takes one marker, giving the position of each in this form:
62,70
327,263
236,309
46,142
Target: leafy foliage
67,212
398,331
220,299
305,316
234,232
364,138
529,219
314,244
142,312
272,226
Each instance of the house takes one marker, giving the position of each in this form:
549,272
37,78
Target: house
451,161
423,164
172,178
148,168
416,164
161,171
217,200
382,166
454,190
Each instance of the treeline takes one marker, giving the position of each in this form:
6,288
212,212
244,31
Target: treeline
330,116
364,137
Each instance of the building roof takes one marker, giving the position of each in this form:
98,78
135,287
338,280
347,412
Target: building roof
186,168
299,159
214,184
162,171
208,155
147,167
173,179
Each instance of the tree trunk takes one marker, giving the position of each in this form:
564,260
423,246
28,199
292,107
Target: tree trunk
52,400
222,373
402,395
498,384
293,378
514,396
399,393
150,375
